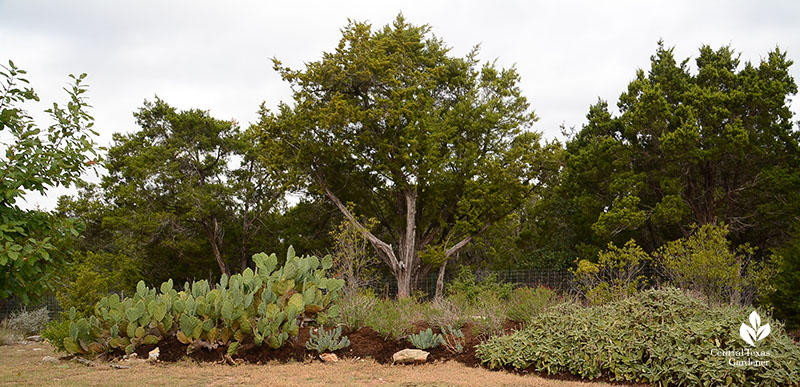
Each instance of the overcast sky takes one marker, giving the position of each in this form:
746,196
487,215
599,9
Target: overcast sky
216,55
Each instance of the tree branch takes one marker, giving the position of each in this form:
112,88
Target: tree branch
384,249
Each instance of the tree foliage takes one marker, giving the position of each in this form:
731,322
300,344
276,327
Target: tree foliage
688,147
33,243
433,146
187,193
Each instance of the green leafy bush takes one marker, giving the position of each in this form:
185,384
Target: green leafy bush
91,276
616,274
706,263
426,339
395,318
465,288
662,337
786,297
55,332
321,341
526,303
28,322
265,305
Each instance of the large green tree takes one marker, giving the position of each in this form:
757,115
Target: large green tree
435,147
714,144
33,243
189,190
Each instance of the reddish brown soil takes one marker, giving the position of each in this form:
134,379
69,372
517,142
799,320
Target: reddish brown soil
364,343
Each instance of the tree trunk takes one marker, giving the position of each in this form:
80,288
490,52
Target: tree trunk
243,258
440,282
215,238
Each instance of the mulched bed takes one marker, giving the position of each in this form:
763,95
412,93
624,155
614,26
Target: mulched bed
364,343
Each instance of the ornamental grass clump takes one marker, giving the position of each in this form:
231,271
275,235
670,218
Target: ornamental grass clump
661,337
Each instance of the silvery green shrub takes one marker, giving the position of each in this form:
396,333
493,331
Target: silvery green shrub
29,322
661,337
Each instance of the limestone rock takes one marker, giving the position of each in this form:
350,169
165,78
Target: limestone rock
329,357
410,356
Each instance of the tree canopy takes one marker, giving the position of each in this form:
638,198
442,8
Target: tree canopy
435,147
715,145
188,189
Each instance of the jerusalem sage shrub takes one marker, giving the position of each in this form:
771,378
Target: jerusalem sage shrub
662,337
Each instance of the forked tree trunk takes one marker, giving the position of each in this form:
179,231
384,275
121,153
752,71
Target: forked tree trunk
405,261
214,235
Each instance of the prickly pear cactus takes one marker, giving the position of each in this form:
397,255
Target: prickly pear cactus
265,305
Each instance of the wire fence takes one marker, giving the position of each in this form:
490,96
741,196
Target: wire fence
12,305
561,280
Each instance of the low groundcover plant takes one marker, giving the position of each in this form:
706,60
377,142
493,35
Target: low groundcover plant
663,337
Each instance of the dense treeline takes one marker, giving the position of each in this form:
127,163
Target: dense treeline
439,153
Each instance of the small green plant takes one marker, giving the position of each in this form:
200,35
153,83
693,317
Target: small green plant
526,303
426,339
453,339
396,318
55,332
29,322
466,289
321,341
615,276
489,314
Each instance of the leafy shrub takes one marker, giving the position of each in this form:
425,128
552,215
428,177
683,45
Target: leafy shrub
614,276
321,341
706,263
264,305
466,289
453,339
55,332
29,322
426,339
662,337
91,276
526,303
786,297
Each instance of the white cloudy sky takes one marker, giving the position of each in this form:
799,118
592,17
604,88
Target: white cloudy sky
216,55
